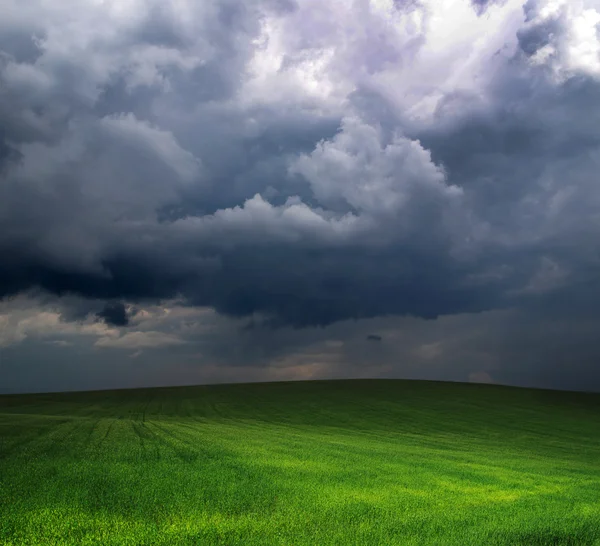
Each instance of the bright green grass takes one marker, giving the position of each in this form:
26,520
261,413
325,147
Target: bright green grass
324,462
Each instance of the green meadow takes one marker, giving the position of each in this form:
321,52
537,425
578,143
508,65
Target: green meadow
301,463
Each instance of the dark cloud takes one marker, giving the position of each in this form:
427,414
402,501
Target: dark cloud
301,164
373,337
114,314
319,249
533,38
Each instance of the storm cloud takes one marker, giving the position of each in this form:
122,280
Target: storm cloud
114,314
298,163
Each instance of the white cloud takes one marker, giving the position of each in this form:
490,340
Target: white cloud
372,177
572,44
34,323
257,218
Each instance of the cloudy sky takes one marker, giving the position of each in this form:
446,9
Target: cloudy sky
201,192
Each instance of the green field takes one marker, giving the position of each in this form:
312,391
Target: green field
319,462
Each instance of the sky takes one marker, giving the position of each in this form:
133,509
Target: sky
225,191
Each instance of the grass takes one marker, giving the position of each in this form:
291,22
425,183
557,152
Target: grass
317,463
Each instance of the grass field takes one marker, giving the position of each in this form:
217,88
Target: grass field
322,462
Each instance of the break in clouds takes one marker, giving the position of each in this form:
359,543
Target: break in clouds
302,164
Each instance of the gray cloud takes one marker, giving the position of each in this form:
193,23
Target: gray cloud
481,6
114,314
301,164
175,344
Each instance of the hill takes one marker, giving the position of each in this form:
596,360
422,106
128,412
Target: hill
317,462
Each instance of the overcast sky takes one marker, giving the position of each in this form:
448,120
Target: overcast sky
221,191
